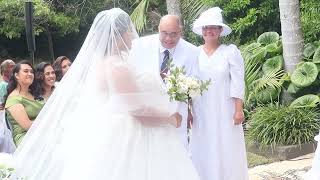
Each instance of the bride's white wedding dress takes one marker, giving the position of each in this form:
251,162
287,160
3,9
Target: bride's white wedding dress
91,128
105,143
114,146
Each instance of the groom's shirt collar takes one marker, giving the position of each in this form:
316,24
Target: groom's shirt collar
162,49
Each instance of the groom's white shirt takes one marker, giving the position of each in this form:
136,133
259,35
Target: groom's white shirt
149,52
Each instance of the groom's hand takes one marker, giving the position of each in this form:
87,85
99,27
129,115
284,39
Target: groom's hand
176,119
163,75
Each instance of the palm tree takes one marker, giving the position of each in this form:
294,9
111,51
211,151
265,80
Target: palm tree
173,7
292,39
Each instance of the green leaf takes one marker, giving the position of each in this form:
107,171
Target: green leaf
192,9
258,55
268,38
273,64
139,15
273,48
316,56
252,46
309,50
267,94
309,100
305,74
293,89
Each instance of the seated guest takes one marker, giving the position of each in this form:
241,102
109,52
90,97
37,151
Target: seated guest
6,69
61,66
21,105
45,79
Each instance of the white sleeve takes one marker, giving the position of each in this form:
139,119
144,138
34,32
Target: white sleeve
236,64
193,63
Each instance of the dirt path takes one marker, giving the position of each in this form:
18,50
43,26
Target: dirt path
293,169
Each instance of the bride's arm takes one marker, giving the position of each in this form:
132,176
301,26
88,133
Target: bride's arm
125,86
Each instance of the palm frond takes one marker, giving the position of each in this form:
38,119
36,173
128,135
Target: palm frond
252,69
138,15
191,9
272,79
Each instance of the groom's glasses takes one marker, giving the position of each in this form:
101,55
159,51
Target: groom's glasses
170,34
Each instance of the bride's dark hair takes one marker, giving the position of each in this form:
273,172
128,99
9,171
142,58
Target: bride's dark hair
122,23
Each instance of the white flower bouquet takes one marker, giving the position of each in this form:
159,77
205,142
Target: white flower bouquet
183,88
6,167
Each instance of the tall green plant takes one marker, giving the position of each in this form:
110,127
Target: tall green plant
264,73
282,125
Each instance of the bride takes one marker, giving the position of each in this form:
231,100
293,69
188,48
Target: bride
109,119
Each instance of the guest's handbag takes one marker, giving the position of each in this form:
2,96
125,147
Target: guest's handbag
6,141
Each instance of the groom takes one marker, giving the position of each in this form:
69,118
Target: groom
157,49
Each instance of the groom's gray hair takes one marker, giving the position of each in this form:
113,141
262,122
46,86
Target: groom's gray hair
172,17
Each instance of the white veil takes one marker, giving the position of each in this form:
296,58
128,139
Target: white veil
78,111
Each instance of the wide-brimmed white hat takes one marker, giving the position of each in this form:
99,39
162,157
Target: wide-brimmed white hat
212,16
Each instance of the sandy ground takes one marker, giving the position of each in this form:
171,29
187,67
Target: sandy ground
293,169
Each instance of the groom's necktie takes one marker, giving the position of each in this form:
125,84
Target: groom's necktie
164,65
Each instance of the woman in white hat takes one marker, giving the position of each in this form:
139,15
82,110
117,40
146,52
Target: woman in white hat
218,146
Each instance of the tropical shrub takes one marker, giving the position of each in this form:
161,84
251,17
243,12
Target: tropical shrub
264,75
283,125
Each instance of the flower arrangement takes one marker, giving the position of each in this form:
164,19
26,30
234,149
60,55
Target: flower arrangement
181,87
6,167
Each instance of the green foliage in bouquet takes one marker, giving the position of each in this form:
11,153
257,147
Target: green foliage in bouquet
283,125
5,172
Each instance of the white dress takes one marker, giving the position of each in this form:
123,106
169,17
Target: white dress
105,143
217,145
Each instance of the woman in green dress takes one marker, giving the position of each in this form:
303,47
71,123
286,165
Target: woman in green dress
21,105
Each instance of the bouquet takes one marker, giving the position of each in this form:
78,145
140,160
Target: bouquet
5,166
183,88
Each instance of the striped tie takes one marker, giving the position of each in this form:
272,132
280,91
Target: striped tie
164,65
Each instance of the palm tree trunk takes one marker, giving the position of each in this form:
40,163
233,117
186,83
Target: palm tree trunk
292,39
173,7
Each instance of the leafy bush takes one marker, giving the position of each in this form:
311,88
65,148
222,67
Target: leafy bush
264,73
283,125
